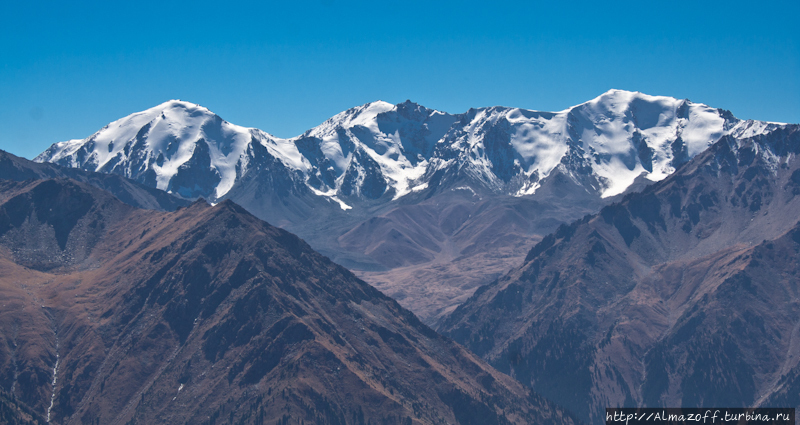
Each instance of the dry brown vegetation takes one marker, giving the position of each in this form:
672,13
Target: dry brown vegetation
209,315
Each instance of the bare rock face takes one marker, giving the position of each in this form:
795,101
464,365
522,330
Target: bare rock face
683,295
210,315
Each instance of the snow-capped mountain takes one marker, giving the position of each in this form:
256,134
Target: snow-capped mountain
373,149
177,146
386,151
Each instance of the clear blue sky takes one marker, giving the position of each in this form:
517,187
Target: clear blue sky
68,69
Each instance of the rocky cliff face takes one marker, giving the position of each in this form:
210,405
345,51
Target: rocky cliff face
113,314
683,295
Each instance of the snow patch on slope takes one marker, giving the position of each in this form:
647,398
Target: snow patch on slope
331,194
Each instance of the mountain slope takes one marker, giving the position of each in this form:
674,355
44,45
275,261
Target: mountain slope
11,412
446,192
209,315
682,295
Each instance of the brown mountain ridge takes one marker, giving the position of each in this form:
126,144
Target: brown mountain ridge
117,315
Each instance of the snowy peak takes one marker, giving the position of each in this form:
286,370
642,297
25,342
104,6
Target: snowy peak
624,135
380,151
378,144
363,115
617,112
501,148
176,146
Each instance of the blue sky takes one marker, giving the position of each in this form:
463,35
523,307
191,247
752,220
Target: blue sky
66,70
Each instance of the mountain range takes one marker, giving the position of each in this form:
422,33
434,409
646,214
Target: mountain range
404,194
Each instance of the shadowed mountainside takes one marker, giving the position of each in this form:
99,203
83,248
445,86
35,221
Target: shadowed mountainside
117,315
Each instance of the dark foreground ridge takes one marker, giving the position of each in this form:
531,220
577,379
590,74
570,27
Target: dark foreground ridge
117,315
